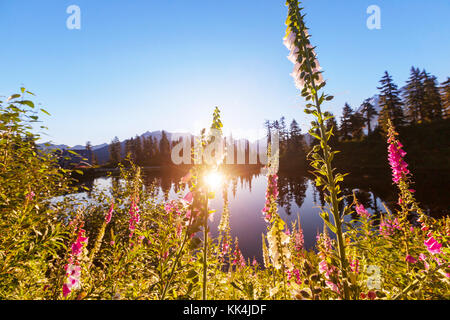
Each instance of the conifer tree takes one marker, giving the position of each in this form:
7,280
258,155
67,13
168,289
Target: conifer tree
368,111
357,125
114,151
445,97
137,150
90,154
164,149
296,142
390,102
432,97
413,97
345,129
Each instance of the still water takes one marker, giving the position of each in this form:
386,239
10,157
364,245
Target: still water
299,199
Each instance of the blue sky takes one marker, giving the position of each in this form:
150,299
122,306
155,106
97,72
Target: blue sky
149,65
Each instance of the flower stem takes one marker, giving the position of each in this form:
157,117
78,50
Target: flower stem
205,247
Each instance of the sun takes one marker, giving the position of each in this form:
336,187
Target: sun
213,179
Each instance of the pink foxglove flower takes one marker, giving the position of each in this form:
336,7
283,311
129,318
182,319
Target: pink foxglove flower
73,268
410,259
396,154
134,218
354,265
188,197
360,210
110,212
271,197
30,195
433,246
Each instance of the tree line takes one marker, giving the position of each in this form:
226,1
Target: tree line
421,100
292,144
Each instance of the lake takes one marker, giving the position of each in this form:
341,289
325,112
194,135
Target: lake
298,199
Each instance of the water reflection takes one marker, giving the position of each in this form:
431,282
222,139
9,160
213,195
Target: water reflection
299,198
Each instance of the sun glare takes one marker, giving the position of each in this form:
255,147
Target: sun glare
213,179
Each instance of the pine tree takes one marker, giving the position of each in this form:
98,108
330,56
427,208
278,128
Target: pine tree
414,97
283,136
445,97
296,140
268,126
129,149
114,151
368,110
432,97
90,154
148,150
137,150
357,125
296,147
164,149
345,130
390,102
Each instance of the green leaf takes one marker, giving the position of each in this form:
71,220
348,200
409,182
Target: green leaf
28,103
14,96
44,111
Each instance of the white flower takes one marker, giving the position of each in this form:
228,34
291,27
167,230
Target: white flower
293,56
289,39
299,83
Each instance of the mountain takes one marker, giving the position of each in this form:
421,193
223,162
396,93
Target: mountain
101,151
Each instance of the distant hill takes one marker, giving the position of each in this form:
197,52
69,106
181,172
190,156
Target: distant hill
101,151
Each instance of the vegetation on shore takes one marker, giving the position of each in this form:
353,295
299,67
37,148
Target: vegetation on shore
124,243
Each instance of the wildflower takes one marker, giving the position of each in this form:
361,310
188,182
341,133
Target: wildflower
371,295
225,247
134,217
254,263
395,157
278,250
289,39
30,195
73,274
298,238
271,196
73,268
179,230
433,246
360,210
325,268
423,258
110,212
354,265
287,231
66,290
410,259
296,274
77,246
387,226
188,197
299,55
